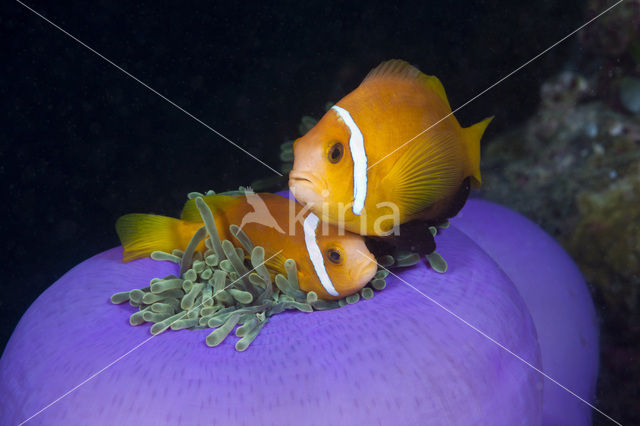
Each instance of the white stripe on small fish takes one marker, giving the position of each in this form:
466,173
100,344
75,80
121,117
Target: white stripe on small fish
310,225
359,157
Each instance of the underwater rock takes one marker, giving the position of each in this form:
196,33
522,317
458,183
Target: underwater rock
615,33
566,154
630,94
573,169
607,240
610,46
395,359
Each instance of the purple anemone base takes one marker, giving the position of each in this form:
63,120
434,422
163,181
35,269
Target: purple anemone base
557,298
399,358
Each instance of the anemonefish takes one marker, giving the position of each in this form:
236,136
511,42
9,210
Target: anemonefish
370,166
333,264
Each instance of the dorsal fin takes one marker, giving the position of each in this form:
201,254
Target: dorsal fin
216,202
402,70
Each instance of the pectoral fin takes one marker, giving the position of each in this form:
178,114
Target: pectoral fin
428,171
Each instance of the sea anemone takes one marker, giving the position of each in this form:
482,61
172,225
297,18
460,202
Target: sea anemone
557,298
424,351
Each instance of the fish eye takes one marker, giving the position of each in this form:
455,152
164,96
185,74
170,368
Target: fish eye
334,256
335,152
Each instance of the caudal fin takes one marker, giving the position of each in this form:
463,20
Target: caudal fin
472,136
141,234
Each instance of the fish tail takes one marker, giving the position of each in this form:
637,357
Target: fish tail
141,234
472,136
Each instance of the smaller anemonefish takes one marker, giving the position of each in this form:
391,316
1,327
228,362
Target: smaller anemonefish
332,264
370,166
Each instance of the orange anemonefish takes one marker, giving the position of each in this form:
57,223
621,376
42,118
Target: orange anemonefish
369,165
332,264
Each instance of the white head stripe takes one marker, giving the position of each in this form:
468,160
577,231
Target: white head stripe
359,157
310,225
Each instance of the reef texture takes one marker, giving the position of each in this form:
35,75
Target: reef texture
574,168
399,358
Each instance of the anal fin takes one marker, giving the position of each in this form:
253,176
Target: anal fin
413,236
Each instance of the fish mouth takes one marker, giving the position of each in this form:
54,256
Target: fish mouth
305,182
368,270
296,176
299,181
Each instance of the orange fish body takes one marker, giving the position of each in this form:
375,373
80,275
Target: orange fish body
270,221
386,169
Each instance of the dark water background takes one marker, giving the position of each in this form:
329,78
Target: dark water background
81,143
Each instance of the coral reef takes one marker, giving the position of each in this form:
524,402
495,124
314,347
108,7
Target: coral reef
615,34
568,161
611,50
607,240
574,169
